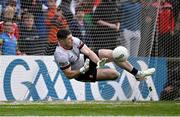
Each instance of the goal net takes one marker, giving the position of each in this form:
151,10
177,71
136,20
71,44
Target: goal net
149,29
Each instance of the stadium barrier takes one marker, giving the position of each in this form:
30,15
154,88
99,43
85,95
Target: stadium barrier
36,78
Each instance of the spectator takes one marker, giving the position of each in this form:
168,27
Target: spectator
171,92
73,5
27,27
29,42
32,6
165,27
176,8
17,7
8,42
96,4
172,87
78,26
8,14
51,12
46,5
65,6
107,24
130,15
57,22
13,3
35,7
89,8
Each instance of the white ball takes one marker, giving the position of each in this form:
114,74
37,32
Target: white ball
120,54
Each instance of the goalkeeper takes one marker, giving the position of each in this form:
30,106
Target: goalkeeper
88,66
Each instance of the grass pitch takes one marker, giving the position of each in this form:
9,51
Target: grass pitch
112,108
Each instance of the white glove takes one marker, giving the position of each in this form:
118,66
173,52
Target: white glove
101,63
85,68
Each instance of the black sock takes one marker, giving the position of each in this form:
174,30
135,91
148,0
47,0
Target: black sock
134,71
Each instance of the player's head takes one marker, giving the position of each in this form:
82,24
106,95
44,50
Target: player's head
63,34
65,38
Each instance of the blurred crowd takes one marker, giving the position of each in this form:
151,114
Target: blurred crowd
144,27
28,27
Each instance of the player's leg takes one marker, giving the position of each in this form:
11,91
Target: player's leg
140,75
107,74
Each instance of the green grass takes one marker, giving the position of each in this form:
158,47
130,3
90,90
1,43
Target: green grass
91,108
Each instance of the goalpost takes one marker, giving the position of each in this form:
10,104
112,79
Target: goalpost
134,24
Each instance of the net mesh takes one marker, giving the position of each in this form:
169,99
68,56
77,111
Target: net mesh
147,28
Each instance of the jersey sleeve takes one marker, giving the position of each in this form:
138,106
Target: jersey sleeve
62,61
78,42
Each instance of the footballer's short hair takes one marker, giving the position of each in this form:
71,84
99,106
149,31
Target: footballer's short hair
63,33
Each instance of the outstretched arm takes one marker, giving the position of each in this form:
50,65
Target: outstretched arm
88,52
71,73
114,26
107,53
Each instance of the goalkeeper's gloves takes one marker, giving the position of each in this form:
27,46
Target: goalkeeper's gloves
85,68
101,63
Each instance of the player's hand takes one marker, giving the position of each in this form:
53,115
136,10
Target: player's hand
85,68
101,63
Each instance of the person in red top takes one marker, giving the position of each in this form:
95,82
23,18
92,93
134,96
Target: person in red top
165,26
58,22
50,12
165,17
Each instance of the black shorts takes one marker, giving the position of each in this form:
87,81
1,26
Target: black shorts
90,75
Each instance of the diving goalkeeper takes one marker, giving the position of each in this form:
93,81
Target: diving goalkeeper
89,66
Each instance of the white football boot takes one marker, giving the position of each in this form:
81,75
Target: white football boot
141,75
